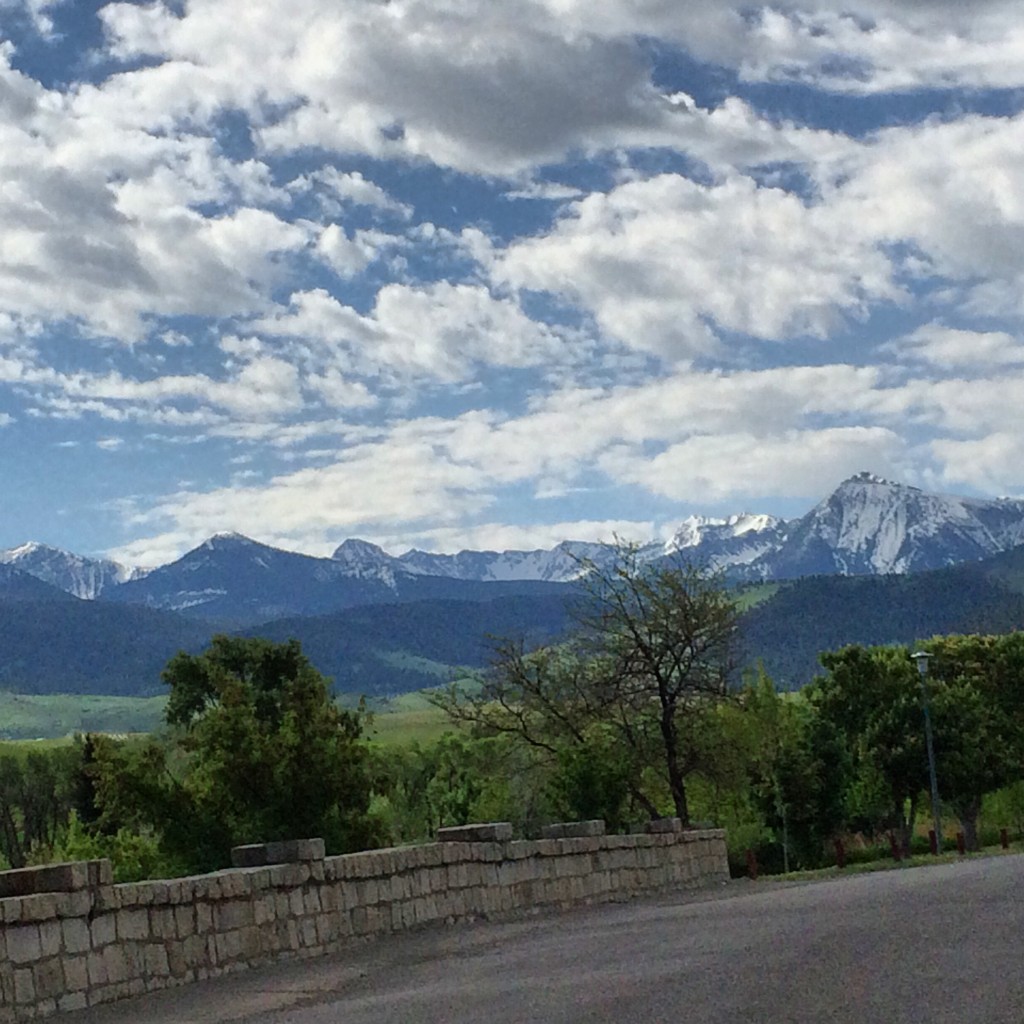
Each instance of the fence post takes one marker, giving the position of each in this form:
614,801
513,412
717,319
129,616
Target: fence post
752,865
840,854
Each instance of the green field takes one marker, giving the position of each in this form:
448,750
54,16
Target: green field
410,718
407,719
30,716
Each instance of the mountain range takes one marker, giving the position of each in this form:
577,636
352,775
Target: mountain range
875,562
867,526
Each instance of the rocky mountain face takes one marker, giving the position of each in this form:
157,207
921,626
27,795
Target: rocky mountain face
871,526
558,565
83,577
867,526
237,582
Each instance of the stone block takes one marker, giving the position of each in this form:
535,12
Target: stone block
50,937
72,1001
487,832
23,945
76,974
289,851
115,964
659,826
49,979
156,964
24,987
75,904
234,914
67,877
38,907
573,829
132,924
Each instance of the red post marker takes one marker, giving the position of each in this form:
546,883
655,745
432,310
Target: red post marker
933,842
1004,838
961,845
897,853
752,865
840,854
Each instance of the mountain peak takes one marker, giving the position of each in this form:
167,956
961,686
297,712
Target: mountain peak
867,477
22,550
354,548
227,539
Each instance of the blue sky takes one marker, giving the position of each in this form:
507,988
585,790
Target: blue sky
458,273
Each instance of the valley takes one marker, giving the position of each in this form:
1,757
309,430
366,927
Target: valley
382,626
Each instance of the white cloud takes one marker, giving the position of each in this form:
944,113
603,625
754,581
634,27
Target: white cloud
992,464
496,536
949,348
442,330
432,478
338,187
655,260
712,468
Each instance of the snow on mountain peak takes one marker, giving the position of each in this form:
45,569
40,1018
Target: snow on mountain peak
227,537
76,574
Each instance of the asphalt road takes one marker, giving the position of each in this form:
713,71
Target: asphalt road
935,944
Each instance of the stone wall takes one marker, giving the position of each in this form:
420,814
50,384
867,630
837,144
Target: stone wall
87,941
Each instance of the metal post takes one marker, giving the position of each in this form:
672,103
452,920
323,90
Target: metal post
921,659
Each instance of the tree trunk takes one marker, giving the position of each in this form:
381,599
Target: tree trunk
677,786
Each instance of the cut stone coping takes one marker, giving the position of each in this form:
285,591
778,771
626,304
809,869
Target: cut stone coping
487,832
291,851
659,826
573,829
68,877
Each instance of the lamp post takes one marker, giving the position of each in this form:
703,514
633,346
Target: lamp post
920,659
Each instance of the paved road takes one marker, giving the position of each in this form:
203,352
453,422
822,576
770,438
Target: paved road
937,944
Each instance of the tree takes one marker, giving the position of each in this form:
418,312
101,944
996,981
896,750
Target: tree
797,768
647,660
260,752
978,710
870,696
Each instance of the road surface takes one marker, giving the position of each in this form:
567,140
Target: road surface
935,944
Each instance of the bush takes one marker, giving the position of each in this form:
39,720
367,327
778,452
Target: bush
135,856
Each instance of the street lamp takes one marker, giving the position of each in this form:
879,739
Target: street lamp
920,659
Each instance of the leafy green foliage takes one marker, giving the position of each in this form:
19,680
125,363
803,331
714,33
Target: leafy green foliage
648,658
35,800
261,753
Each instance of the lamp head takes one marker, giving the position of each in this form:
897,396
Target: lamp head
920,658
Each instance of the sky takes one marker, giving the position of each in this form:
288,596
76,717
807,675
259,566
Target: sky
473,274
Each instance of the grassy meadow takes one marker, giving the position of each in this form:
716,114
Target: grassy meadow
399,721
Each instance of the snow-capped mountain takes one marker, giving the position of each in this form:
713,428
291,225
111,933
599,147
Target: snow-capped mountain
726,543
236,582
83,577
235,578
559,564
363,560
869,525
866,526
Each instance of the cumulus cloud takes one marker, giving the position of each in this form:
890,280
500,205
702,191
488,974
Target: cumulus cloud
803,463
952,349
441,331
663,263
991,463
224,204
